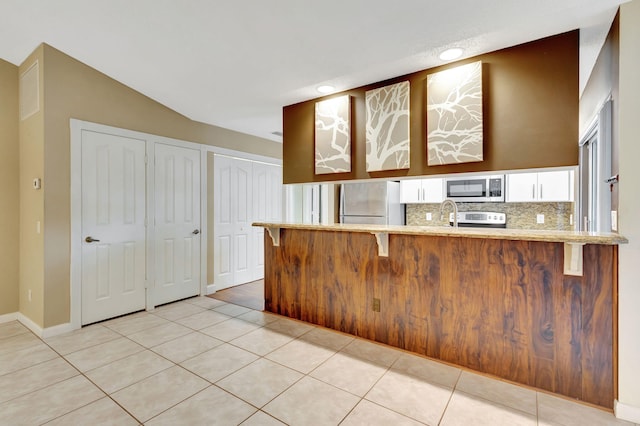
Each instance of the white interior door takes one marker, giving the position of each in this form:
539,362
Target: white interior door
177,223
242,216
267,207
113,226
232,206
222,221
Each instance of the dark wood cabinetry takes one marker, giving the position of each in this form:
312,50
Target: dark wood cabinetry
501,307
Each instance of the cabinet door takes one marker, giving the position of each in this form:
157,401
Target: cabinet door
555,186
522,187
433,190
411,191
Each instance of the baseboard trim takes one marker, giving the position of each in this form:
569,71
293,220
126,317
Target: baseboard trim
27,322
57,329
8,317
44,333
211,288
626,412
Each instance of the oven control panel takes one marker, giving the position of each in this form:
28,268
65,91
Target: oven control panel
480,218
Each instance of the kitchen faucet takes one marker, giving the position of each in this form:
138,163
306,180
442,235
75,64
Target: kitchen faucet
455,210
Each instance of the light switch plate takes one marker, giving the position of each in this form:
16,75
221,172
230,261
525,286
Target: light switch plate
614,220
429,216
540,218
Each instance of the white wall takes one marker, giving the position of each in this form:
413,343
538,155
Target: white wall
629,214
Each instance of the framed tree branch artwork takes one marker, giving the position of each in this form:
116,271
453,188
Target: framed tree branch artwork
454,115
333,136
387,131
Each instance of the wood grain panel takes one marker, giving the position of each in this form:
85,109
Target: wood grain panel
516,312
496,306
597,324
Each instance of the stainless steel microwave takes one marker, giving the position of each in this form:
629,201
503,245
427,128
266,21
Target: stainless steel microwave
479,189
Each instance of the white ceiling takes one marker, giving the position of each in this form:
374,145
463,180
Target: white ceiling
236,63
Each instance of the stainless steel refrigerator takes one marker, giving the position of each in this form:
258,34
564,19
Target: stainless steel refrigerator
371,203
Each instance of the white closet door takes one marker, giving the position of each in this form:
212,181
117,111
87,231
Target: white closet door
267,207
113,226
242,200
177,223
232,248
223,171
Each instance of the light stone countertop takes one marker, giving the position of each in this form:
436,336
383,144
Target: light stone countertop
449,231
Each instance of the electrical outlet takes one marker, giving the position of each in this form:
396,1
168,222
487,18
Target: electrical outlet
376,305
540,218
570,219
429,216
29,295
614,220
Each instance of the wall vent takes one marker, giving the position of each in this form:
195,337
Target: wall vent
30,91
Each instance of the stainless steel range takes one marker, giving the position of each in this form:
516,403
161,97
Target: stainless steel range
480,219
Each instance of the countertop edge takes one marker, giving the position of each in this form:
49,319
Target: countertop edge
575,237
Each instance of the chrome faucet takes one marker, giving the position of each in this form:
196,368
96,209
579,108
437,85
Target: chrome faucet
455,210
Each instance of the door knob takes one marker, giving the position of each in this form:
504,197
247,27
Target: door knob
196,232
91,240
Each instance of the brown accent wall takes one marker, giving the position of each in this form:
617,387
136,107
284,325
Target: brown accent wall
9,195
75,90
530,107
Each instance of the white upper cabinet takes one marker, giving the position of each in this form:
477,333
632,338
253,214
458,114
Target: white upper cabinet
433,190
522,187
540,187
555,186
411,191
415,191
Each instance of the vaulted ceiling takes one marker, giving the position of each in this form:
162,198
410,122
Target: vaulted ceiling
236,63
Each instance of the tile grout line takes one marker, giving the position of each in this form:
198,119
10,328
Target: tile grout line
453,390
363,397
294,338
121,335
90,381
390,368
260,357
537,410
108,395
304,375
493,402
213,384
210,384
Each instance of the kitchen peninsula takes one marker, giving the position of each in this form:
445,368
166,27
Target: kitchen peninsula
533,307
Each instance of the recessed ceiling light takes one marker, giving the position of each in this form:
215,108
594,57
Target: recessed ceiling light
325,88
450,54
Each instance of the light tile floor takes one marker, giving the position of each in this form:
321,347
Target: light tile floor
203,361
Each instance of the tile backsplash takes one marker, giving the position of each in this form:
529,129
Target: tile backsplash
519,215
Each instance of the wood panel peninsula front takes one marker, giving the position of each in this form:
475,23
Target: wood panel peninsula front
533,307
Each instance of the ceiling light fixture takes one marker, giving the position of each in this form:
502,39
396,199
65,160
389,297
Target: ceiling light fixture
451,54
325,88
